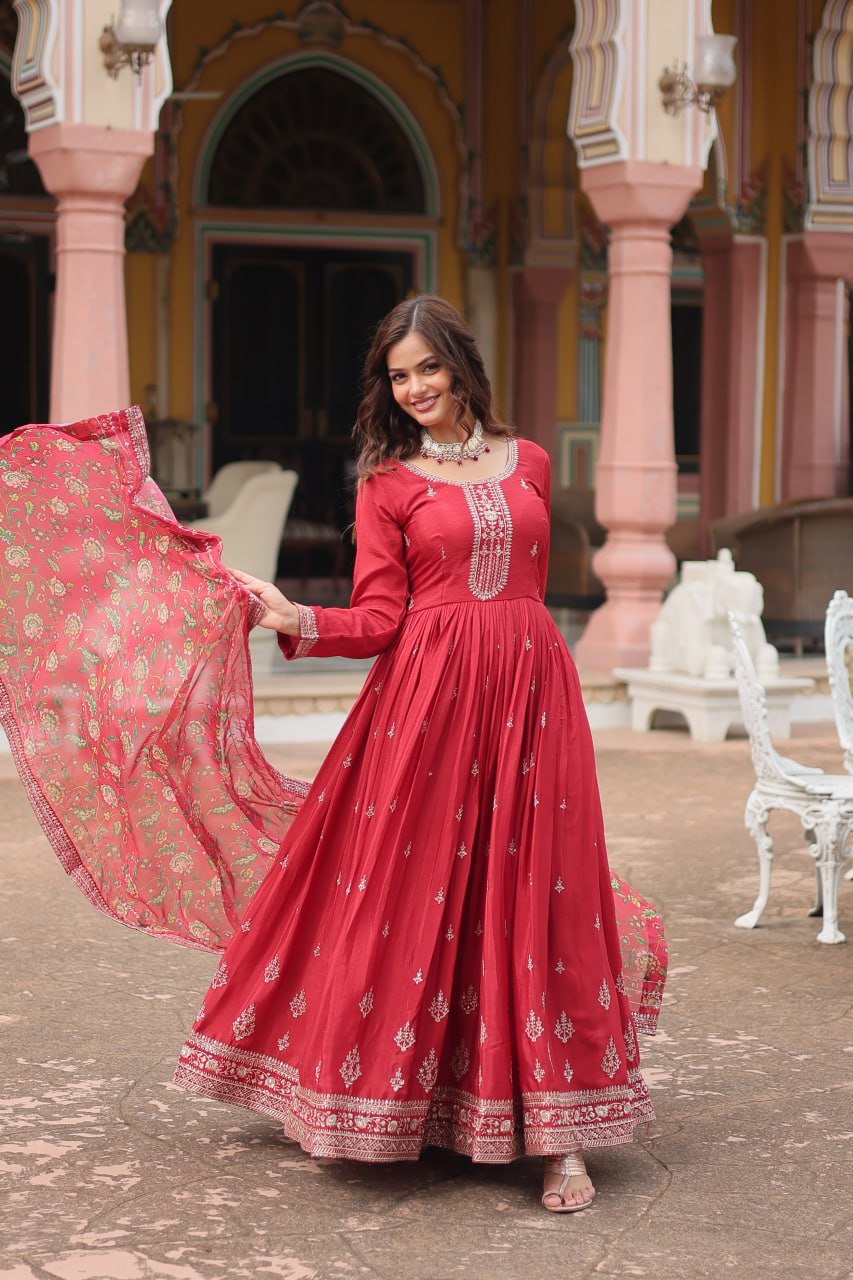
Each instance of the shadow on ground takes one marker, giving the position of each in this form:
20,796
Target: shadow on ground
111,1173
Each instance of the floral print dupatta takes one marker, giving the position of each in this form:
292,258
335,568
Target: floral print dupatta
125,688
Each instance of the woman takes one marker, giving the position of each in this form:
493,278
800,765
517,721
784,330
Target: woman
435,957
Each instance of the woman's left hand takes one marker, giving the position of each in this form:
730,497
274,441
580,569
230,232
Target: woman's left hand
282,614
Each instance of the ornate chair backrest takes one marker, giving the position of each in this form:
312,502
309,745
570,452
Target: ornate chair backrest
753,705
838,642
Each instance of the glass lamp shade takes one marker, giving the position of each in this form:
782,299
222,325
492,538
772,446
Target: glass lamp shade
715,63
138,24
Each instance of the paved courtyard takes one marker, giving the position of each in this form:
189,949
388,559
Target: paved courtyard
109,1172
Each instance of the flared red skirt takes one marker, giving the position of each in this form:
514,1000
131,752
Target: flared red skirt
439,954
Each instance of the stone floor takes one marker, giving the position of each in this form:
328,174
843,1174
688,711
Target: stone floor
111,1173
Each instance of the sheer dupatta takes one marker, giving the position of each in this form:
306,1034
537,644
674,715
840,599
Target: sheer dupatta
125,688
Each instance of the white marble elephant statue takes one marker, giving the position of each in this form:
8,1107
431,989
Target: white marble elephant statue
691,633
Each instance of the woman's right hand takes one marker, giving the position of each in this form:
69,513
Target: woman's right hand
282,614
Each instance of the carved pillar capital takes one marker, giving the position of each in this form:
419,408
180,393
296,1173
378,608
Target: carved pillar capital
641,191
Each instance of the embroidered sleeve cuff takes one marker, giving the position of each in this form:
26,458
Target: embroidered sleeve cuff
308,633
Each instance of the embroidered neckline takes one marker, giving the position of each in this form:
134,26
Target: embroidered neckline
490,555
509,467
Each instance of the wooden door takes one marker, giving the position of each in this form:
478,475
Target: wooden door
24,350
291,328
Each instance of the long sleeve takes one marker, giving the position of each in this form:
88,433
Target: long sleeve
380,590
544,486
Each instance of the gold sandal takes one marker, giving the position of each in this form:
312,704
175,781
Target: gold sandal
568,1166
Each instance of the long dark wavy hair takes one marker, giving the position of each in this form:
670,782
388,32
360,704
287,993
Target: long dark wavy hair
383,431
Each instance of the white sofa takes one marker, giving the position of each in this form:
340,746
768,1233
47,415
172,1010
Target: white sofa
251,530
252,526
228,481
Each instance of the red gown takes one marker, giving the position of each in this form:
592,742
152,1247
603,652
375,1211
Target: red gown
439,955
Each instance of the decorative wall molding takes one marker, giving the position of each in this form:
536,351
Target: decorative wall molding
711,211
750,211
481,231
804,80
794,199
330,60
57,65
599,65
593,239
314,30
33,82
152,212
482,245
577,453
619,49
551,176
830,119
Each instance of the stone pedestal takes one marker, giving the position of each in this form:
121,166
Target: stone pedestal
710,707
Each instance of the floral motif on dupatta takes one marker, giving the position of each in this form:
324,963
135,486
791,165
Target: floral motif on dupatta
125,689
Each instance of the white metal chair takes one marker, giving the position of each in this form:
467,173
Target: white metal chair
838,639
822,801
252,526
229,480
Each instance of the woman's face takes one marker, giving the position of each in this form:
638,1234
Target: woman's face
421,385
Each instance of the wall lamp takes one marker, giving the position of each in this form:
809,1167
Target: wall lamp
131,38
714,73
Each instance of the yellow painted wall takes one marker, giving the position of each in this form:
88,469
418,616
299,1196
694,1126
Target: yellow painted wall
569,313
435,30
140,287
500,161
666,38
724,20
769,83
773,106
550,37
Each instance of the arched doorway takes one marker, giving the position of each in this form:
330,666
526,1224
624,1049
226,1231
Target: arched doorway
291,316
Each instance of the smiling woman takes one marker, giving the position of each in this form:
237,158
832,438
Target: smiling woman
426,947
440,956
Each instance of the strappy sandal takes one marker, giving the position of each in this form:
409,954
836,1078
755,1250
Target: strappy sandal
568,1166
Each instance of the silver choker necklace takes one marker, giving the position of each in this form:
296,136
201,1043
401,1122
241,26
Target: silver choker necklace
457,450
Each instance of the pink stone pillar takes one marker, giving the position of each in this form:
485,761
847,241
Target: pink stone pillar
636,474
91,171
537,294
732,364
815,421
